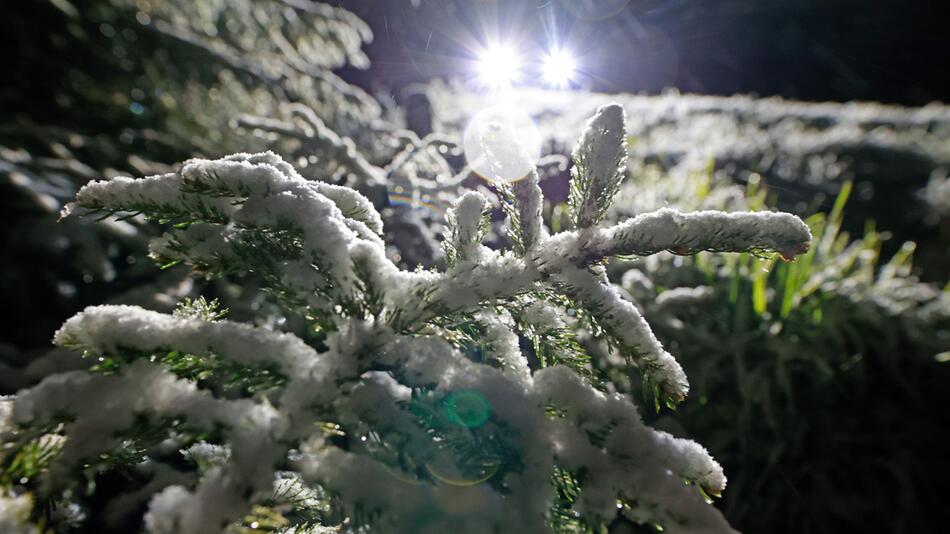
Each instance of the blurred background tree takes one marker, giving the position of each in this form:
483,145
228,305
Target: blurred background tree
110,87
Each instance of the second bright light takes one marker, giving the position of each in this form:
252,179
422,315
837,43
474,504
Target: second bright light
558,68
499,66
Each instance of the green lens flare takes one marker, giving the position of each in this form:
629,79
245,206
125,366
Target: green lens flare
467,408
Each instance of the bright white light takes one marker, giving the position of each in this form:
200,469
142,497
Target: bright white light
502,143
558,68
499,66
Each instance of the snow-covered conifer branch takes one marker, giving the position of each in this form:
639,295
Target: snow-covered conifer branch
600,160
115,329
421,375
529,202
688,233
465,228
329,157
521,200
599,432
629,329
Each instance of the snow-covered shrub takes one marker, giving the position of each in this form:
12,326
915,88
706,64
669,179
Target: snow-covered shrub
412,401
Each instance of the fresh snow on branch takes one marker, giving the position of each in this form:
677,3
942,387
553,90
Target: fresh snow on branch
409,399
688,233
600,159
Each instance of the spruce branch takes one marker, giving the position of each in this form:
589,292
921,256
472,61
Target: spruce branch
466,224
521,200
689,233
624,323
529,203
599,160
420,374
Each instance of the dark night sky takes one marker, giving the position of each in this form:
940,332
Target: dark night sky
813,50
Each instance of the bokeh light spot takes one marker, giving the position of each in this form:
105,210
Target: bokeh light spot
467,408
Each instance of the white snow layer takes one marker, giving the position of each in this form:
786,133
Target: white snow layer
599,434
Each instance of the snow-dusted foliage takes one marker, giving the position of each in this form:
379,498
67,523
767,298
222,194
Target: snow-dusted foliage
271,52
592,193
416,177
413,401
162,81
805,151
189,69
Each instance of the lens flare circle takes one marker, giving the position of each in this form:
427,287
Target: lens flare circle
510,164
467,408
449,474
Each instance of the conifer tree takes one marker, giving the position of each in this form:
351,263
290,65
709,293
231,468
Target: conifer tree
412,401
